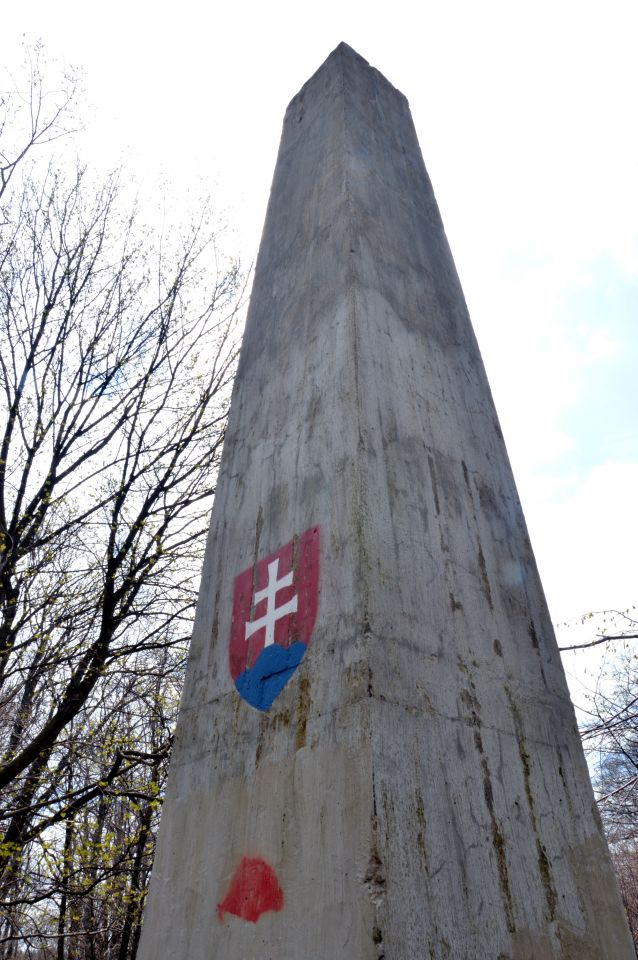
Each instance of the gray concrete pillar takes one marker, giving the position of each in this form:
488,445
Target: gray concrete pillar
377,755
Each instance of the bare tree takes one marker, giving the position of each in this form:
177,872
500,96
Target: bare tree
610,738
32,115
117,353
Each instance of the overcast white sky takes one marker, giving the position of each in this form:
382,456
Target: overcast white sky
528,121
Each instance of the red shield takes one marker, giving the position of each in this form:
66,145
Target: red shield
274,612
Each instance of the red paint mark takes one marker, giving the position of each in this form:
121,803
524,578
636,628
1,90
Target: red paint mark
253,890
301,556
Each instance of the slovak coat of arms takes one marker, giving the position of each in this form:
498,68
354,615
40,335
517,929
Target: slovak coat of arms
274,613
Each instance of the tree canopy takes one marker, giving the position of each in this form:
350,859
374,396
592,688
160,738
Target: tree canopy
117,352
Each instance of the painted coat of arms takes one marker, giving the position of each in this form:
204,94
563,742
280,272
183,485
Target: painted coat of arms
274,613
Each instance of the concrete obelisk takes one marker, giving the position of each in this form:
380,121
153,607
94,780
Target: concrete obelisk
376,753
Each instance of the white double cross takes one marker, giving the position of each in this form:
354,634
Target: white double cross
273,612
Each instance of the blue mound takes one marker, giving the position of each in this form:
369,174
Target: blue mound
270,673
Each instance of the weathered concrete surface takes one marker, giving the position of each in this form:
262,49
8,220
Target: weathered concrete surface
418,786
